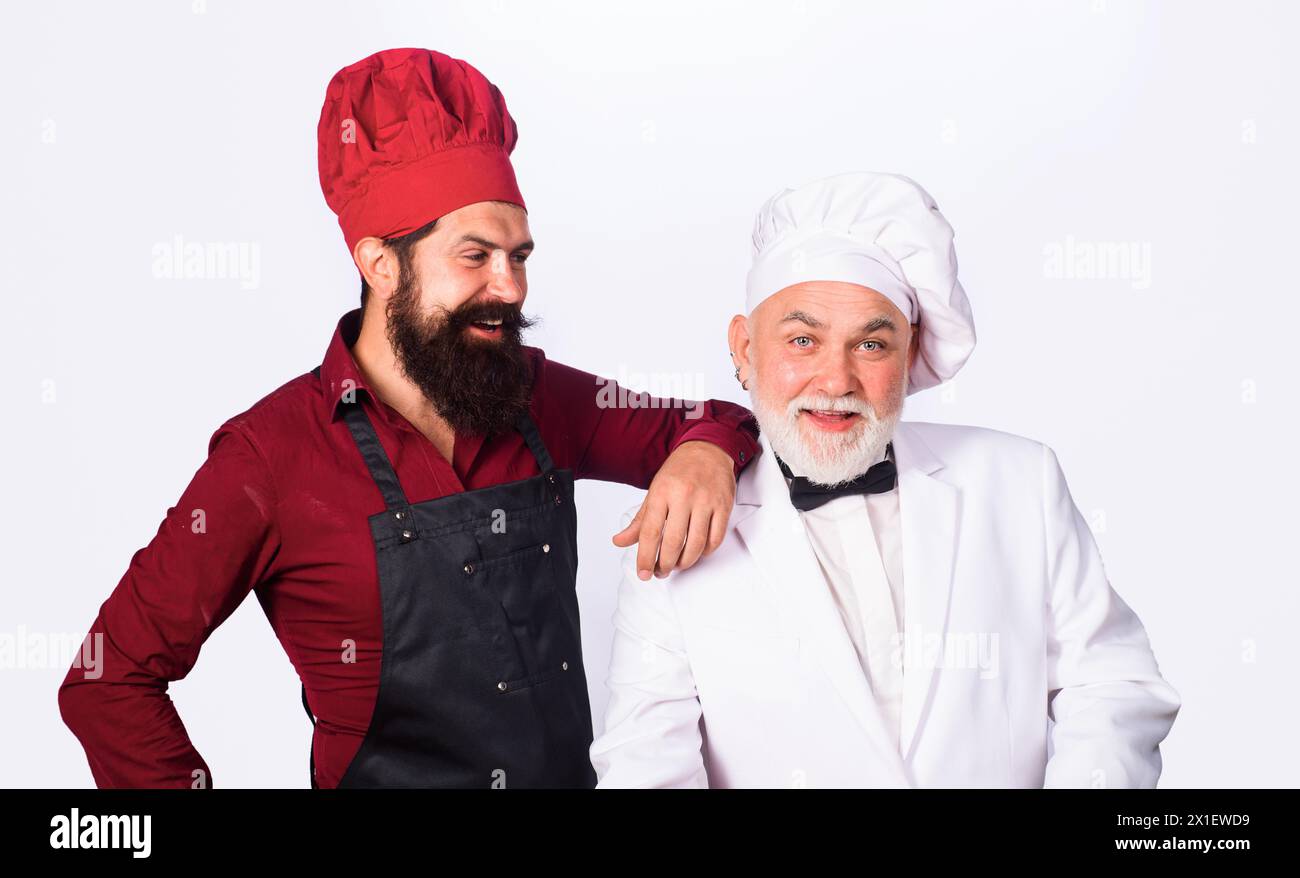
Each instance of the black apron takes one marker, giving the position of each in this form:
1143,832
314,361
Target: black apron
481,682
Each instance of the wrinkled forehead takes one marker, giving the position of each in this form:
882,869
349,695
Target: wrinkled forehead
833,306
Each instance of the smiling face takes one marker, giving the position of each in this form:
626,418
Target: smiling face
826,363
474,257
452,314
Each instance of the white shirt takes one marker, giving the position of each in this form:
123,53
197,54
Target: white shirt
865,577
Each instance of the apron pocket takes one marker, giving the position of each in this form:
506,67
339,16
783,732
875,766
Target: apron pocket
519,588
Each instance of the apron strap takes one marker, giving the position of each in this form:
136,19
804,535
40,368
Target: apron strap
372,451
526,426
381,469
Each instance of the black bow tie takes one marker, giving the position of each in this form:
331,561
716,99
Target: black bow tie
807,495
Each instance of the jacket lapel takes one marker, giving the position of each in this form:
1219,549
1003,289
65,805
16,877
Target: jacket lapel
774,535
928,513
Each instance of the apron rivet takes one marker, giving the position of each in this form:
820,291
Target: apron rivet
406,534
546,547
501,686
399,515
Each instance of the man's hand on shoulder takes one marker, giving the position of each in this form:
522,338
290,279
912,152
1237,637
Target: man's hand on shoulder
685,512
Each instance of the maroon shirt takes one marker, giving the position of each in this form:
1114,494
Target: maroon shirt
280,508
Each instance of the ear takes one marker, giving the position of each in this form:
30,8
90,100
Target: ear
378,265
738,343
913,345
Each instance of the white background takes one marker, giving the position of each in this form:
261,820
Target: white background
649,135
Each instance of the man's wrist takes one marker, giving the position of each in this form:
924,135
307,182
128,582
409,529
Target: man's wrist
709,447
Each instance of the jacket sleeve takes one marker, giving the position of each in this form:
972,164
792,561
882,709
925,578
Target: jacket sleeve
211,549
603,431
1109,704
652,724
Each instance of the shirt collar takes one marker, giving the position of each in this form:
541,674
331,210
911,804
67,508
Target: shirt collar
338,371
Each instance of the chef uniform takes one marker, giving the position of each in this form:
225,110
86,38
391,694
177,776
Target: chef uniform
863,229
777,661
482,671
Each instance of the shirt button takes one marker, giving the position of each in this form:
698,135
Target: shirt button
399,515
501,687
406,534
469,568
564,666
546,547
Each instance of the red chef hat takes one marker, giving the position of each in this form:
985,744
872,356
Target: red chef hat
409,135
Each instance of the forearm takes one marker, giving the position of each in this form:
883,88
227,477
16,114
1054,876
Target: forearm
603,431
126,722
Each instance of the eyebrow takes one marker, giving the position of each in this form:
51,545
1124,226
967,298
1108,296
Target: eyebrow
802,317
879,323
525,247
873,325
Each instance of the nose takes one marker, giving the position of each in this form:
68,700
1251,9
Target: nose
502,283
835,377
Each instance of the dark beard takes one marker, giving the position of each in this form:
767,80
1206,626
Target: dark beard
478,386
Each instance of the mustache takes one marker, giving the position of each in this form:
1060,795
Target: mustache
513,320
830,404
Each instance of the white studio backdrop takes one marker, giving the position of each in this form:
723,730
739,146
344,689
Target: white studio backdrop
1165,133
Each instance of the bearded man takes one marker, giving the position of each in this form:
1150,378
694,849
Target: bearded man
901,604
404,511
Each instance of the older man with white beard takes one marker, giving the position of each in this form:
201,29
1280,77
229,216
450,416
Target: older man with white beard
905,604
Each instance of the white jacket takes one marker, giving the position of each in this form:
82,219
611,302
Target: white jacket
739,672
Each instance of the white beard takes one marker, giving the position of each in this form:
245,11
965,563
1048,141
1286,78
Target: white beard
821,456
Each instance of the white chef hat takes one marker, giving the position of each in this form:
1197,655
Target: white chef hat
882,231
